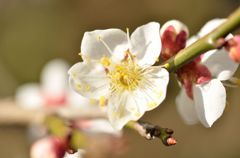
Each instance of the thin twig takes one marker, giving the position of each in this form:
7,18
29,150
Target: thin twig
12,113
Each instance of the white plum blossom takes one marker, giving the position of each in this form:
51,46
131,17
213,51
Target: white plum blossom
54,95
203,96
98,125
117,70
53,90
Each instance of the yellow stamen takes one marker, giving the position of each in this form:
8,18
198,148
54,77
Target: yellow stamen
92,101
126,76
78,86
160,94
105,61
102,101
137,114
87,88
131,124
74,74
114,114
167,65
152,104
105,44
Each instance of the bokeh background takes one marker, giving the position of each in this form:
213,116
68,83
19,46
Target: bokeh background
32,32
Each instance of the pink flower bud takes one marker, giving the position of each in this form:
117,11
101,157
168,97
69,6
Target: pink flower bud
171,141
174,36
49,147
233,46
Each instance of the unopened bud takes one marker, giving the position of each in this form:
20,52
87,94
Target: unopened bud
233,46
154,131
174,36
171,141
50,147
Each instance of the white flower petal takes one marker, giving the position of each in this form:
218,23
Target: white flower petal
210,26
101,126
29,96
178,26
118,113
89,79
54,78
210,101
131,105
70,112
153,90
146,43
221,70
96,44
219,64
186,108
76,100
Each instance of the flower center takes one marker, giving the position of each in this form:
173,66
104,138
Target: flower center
125,76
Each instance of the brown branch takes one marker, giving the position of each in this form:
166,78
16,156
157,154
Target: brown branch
13,114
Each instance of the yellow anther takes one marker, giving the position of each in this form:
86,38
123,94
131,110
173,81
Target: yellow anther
74,74
133,109
78,86
152,104
131,124
102,101
105,61
127,29
114,114
92,101
87,87
137,114
99,38
160,94
167,65
126,76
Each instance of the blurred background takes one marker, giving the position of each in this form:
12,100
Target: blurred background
32,32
